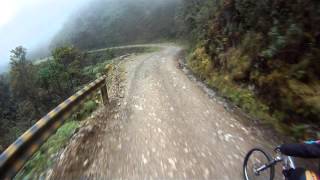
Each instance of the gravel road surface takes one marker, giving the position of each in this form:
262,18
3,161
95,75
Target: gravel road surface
168,127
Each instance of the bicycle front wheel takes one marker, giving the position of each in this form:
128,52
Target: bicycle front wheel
255,159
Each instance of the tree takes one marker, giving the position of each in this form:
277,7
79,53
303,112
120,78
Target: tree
23,82
72,61
21,74
50,78
66,55
7,111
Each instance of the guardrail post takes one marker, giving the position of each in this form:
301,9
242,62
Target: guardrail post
104,95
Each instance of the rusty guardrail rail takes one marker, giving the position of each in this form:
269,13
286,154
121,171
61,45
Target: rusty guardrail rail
18,153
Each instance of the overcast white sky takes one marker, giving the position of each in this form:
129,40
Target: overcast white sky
32,22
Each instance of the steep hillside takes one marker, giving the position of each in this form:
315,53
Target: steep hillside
261,54
110,22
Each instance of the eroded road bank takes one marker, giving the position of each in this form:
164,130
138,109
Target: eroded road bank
167,127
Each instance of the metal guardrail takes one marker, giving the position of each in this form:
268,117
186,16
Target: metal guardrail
18,153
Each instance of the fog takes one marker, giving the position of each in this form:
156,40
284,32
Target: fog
32,23
40,25
107,23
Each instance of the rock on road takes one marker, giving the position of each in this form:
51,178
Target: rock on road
170,129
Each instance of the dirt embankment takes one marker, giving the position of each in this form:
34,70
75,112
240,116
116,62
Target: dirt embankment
86,143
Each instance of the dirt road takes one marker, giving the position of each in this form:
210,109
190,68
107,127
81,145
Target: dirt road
166,127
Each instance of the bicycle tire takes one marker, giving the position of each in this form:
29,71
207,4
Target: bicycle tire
246,159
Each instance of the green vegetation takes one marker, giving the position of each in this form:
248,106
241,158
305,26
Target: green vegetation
152,49
30,90
44,158
261,54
